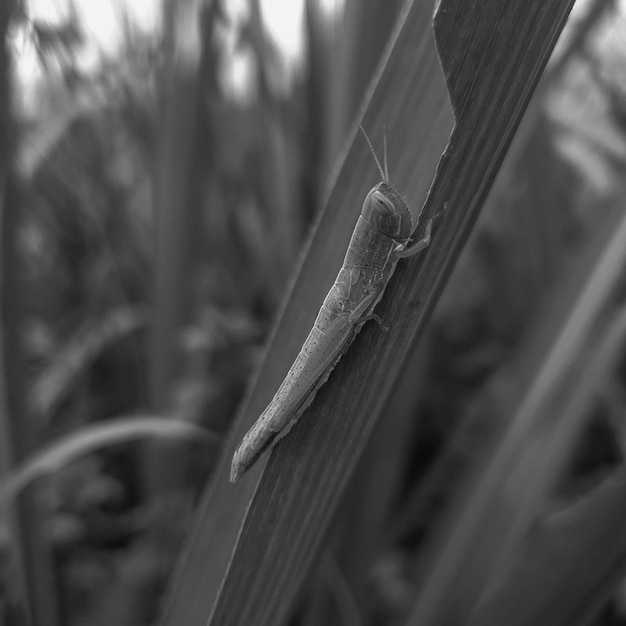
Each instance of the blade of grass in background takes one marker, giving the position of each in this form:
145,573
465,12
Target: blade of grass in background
176,205
27,545
597,10
308,470
567,565
365,29
53,456
478,533
58,380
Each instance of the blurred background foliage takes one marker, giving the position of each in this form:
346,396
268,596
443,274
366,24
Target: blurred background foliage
165,188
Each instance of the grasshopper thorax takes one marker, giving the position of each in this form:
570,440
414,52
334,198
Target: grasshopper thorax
387,212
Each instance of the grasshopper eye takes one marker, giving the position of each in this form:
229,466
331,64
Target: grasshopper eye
382,204
388,214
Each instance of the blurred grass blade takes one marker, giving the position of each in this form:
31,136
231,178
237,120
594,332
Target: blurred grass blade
30,553
176,198
503,499
52,457
56,382
364,35
567,566
596,11
548,450
174,201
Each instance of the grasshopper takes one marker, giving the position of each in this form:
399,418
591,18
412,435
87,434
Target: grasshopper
382,237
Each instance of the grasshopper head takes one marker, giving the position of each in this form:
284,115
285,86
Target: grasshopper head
387,212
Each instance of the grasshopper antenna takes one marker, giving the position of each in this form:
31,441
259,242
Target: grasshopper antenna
386,179
383,173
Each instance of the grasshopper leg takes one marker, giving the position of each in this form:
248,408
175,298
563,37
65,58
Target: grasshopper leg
417,246
378,320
